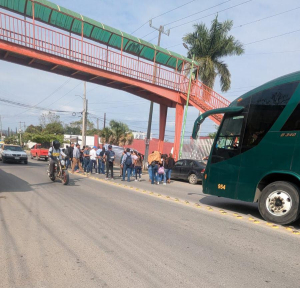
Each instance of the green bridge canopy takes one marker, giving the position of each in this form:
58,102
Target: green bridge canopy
55,15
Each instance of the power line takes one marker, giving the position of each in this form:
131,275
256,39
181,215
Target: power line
276,36
164,13
275,52
215,13
255,21
268,17
23,105
197,12
66,82
64,95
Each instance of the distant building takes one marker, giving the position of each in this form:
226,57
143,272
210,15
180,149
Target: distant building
140,135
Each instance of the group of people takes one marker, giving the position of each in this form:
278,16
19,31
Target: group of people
131,163
160,167
89,158
98,159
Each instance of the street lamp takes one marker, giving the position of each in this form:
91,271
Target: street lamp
187,103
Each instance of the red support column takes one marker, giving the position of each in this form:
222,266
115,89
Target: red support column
96,140
163,111
178,126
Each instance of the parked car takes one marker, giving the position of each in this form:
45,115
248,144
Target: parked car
191,170
39,152
13,153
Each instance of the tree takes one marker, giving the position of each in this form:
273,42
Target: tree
93,132
78,124
54,128
43,137
11,140
105,135
212,135
72,130
47,118
117,134
209,46
34,129
121,135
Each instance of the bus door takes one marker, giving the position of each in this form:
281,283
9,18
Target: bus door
223,169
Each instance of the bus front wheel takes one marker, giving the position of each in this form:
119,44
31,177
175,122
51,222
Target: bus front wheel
279,202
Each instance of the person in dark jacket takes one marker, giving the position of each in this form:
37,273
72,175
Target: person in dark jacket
169,165
70,154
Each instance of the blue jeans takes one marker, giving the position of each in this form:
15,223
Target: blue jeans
68,162
160,177
86,165
167,175
93,163
128,169
101,167
138,170
150,172
154,174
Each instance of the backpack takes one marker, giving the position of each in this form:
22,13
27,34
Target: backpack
161,170
128,161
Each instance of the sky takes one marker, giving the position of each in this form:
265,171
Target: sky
272,49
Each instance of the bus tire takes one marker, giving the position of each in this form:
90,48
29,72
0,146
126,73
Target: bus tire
279,202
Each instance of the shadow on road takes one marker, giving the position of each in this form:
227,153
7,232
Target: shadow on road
12,183
232,205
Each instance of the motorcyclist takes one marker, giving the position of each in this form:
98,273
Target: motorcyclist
54,154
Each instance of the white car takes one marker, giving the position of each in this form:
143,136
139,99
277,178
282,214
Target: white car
13,153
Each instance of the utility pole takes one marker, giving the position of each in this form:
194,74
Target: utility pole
97,123
0,127
160,30
104,121
84,117
20,131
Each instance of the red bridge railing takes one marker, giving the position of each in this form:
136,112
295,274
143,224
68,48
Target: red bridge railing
38,37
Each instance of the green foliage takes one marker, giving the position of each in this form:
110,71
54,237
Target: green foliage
209,46
72,130
54,128
43,137
117,134
212,135
12,140
78,124
93,132
34,129
50,129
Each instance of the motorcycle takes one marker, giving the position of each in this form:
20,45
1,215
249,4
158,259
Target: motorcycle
60,171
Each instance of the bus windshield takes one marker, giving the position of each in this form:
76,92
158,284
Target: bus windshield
229,136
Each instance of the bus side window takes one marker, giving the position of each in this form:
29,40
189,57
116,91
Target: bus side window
265,108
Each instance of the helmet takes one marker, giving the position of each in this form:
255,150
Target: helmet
56,144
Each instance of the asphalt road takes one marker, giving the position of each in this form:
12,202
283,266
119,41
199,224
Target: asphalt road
94,234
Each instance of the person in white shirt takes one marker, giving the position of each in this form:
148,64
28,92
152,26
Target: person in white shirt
93,159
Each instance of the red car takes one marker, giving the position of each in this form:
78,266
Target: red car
38,152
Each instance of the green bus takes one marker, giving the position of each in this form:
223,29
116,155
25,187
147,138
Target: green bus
255,156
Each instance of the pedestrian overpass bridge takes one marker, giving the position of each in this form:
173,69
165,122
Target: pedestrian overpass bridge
57,40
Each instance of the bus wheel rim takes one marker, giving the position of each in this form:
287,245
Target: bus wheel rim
279,203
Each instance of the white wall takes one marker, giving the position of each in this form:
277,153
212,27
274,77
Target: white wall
89,140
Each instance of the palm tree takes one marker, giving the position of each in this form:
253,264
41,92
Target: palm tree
209,46
117,134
